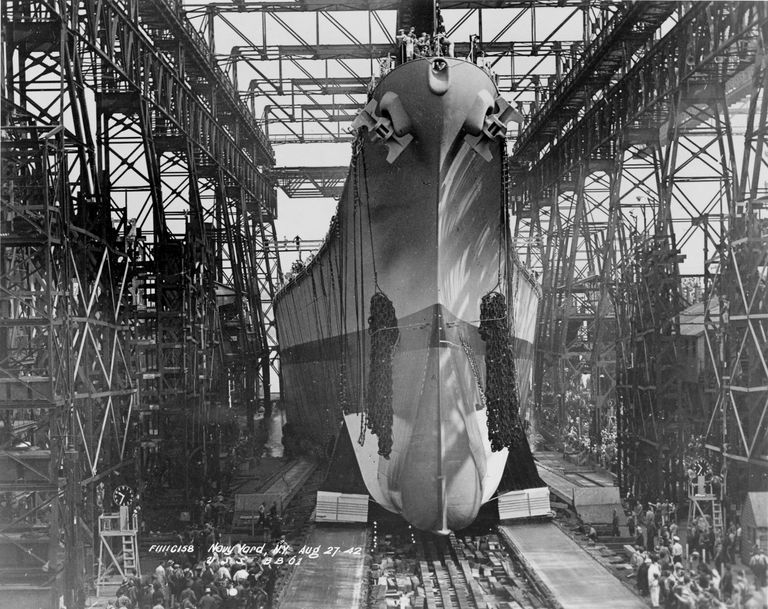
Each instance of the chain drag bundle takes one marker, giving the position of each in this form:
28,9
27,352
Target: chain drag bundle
382,327
504,426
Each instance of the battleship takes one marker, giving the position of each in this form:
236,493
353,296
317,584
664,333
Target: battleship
412,328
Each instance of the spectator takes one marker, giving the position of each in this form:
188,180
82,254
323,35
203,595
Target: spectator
208,601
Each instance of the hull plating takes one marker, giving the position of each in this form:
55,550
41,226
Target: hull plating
428,231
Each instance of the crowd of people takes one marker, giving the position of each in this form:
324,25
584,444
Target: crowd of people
234,581
676,583
412,45
706,573
208,574
652,523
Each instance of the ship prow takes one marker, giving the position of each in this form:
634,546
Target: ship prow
382,328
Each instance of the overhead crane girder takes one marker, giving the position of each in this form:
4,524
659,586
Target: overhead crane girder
241,6
311,182
279,47
379,50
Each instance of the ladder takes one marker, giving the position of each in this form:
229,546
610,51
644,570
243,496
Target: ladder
116,565
717,515
130,558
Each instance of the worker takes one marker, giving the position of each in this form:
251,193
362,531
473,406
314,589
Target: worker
410,44
400,38
677,550
423,45
262,515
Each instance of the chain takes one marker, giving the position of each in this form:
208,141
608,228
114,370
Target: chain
343,385
357,146
382,327
503,225
470,353
504,426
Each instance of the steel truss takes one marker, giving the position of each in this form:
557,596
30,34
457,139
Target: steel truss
678,142
137,266
307,86
311,182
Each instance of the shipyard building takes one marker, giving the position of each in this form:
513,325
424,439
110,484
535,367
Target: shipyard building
383,303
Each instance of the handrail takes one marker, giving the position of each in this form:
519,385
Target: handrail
225,84
585,65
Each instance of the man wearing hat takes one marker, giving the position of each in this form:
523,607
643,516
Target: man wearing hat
677,550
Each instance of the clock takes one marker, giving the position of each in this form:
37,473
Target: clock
123,495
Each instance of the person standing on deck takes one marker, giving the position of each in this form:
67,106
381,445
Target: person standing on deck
410,44
400,38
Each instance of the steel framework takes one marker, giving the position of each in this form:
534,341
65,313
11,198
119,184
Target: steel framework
311,182
308,72
138,255
137,266
305,68
678,143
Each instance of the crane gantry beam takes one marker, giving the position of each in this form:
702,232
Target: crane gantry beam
292,41
246,6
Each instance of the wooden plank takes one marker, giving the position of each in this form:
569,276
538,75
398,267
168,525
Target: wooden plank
328,581
442,583
459,585
474,587
426,581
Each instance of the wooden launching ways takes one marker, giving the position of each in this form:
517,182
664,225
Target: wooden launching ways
563,477
330,574
574,579
590,491
279,488
446,586
452,573
458,581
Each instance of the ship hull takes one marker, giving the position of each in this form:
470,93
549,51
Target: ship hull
427,230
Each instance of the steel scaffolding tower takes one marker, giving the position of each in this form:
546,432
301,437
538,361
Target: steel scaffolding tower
138,255
677,138
137,266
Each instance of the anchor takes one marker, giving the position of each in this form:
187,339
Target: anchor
387,122
483,127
